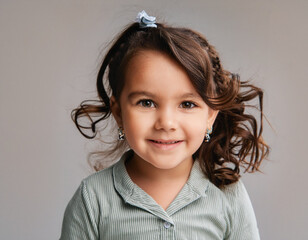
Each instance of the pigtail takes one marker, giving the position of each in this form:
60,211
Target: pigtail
86,109
237,140
97,110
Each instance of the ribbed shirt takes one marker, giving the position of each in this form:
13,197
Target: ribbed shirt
108,205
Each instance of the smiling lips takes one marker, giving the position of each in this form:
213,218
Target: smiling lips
165,141
165,144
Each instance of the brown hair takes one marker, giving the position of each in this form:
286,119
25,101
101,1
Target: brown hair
237,136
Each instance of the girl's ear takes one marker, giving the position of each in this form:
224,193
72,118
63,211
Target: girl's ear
212,116
116,111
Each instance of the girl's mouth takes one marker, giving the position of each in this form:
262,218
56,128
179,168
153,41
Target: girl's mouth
165,144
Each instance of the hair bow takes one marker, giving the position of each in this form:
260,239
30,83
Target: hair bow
145,20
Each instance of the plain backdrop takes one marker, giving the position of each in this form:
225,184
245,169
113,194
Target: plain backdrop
49,56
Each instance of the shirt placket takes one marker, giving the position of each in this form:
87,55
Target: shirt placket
167,230
135,196
167,225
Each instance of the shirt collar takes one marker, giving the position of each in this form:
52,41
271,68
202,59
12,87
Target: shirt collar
195,187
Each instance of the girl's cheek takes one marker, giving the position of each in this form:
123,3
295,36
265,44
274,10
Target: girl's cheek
197,127
136,121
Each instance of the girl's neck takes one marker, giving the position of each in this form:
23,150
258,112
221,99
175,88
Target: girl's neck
141,171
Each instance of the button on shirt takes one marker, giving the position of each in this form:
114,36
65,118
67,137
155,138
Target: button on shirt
109,205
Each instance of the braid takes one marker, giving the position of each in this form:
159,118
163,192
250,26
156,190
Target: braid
218,72
211,51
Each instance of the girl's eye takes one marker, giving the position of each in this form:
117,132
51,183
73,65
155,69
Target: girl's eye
146,103
188,105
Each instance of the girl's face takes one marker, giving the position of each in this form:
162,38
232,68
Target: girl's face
163,116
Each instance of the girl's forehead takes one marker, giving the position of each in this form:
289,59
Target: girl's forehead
146,59
156,70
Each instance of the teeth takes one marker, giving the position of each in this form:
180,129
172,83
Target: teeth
166,142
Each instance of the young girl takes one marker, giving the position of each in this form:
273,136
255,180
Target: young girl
183,120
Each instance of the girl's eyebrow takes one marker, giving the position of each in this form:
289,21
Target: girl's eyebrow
151,95
190,95
138,93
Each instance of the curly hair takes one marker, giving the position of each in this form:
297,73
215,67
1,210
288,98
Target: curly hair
237,136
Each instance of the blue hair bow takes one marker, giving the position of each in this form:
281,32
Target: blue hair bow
145,20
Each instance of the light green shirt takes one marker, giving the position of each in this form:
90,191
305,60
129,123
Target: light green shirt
108,205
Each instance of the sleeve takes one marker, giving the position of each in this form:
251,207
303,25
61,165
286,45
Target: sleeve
243,219
79,220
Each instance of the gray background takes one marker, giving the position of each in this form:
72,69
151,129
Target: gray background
49,54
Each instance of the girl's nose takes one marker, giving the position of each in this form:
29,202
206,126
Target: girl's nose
166,120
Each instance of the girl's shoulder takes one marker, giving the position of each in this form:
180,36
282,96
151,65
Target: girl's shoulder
104,174
104,180
238,198
99,182
94,196
235,190
238,210
230,191
232,196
